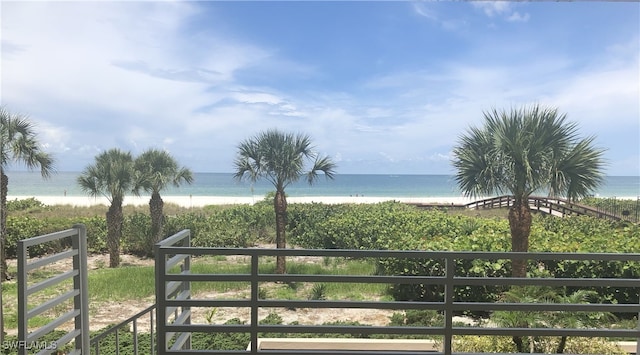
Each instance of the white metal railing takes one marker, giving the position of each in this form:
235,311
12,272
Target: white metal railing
29,341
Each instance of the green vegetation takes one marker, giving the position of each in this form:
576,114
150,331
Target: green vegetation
360,226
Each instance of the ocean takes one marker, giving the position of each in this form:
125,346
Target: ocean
223,184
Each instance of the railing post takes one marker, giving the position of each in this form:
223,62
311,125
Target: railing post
22,296
161,308
80,282
254,302
450,270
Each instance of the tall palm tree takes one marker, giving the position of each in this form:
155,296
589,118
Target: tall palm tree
112,176
157,170
522,151
280,158
19,144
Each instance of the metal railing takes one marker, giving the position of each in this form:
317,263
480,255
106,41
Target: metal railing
175,292
79,311
560,207
129,324
172,294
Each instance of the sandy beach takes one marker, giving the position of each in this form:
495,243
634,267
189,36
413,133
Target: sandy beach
199,201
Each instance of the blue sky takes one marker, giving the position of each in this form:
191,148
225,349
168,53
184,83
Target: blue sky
381,87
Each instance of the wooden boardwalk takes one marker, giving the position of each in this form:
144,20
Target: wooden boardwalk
554,206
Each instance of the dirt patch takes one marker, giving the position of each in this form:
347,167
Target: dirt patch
103,314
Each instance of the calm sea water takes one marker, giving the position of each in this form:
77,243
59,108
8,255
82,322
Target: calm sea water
223,184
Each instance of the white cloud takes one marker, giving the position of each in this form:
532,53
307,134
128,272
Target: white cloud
501,9
138,75
493,8
517,17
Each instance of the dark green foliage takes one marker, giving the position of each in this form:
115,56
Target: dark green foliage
237,226
137,234
399,227
389,225
28,204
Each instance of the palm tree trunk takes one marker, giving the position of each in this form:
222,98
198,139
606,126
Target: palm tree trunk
561,345
4,188
520,225
114,231
156,206
518,342
280,205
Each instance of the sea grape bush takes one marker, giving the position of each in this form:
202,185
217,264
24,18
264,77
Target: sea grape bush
396,226
385,226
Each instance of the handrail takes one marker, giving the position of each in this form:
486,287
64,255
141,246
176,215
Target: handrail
448,305
124,325
549,205
78,293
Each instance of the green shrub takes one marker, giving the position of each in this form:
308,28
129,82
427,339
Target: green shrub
575,345
136,233
28,204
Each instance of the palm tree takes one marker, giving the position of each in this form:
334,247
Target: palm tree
280,158
157,170
112,176
522,151
18,143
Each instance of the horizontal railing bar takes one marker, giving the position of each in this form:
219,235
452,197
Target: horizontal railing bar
35,335
246,303
434,280
48,237
408,254
570,307
50,259
369,330
175,260
52,303
317,329
51,281
401,279
208,277
172,304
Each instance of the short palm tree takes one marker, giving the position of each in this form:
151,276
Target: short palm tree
280,158
522,151
156,170
112,176
18,144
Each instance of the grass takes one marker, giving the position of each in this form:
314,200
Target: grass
138,282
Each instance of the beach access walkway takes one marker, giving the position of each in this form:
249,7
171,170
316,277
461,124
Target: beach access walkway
553,206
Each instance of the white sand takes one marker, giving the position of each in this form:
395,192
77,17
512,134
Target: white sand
199,201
